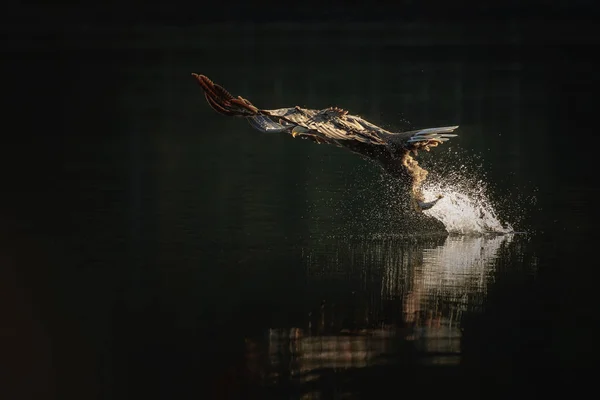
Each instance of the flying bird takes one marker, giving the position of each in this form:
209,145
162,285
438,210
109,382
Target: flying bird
393,151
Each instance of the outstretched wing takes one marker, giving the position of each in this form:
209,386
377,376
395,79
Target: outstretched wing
330,125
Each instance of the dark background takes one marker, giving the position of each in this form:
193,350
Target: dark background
104,188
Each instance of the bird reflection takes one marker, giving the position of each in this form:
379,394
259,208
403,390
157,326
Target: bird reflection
385,301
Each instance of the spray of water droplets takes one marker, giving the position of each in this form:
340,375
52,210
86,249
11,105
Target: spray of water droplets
472,203
466,206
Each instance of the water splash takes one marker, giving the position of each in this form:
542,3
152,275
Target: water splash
466,207
372,204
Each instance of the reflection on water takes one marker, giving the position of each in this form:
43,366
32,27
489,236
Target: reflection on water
383,301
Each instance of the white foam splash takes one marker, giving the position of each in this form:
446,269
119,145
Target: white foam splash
465,207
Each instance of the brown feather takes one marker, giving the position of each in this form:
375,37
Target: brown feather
217,107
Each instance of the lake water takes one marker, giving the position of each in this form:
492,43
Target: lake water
162,250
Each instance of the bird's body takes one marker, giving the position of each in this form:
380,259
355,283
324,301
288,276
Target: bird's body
335,126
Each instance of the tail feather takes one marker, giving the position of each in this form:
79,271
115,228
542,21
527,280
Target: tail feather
222,101
440,134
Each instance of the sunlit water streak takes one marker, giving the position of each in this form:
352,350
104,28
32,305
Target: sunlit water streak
402,293
463,263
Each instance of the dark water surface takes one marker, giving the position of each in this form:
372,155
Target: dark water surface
156,249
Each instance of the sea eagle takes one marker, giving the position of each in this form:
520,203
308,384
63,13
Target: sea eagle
391,150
